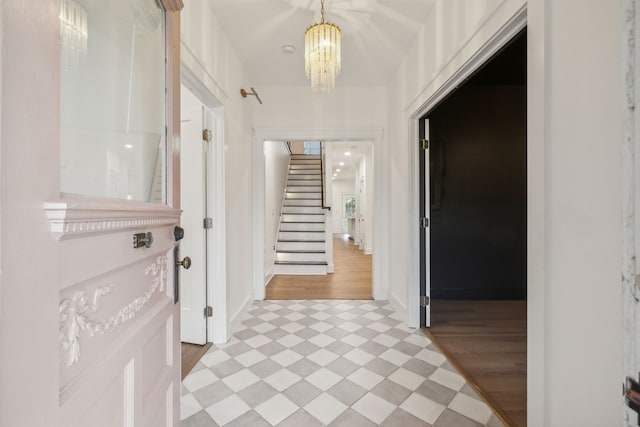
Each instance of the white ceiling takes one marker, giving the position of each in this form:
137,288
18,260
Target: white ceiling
358,150
375,35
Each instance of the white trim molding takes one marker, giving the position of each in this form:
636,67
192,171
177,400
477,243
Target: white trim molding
501,38
83,217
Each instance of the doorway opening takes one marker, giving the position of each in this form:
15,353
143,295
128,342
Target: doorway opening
202,202
318,219
473,255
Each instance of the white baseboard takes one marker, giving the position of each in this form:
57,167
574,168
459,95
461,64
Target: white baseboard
368,251
239,316
398,306
330,268
268,276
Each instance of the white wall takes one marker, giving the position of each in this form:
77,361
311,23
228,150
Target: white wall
369,202
340,188
296,107
574,137
276,163
580,78
209,60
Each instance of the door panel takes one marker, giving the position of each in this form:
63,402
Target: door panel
193,281
423,226
118,326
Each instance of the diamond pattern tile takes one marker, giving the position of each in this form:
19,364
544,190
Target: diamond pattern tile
328,363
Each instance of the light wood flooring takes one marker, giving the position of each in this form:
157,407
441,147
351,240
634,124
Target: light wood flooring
191,354
351,279
487,340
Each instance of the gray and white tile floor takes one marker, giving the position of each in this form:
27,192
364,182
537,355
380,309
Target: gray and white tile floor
328,363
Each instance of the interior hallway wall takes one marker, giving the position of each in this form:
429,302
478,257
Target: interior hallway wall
363,110
276,169
369,202
210,59
574,185
340,188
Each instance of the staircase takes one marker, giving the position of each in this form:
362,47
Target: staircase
300,248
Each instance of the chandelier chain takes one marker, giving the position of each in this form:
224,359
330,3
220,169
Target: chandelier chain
322,11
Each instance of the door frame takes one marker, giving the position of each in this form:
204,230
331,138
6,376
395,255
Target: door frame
380,285
630,204
218,324
510,30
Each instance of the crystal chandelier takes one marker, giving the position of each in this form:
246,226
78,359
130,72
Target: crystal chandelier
322,54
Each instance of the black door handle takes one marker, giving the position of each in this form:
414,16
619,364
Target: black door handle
178,233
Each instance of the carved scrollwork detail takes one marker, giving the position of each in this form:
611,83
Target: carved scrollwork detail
74,312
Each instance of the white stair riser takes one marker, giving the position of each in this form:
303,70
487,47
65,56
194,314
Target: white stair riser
294,183
301,246
306,270
304,189
305,167
304,162
301,235
298,226
300,257
302,218
294,202
304,175
303,195
303,210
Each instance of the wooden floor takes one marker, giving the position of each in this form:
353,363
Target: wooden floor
191,354
487,340
351,279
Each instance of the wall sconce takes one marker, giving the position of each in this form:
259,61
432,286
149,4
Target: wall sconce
253,92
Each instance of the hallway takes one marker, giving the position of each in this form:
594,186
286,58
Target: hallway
351,279
328,362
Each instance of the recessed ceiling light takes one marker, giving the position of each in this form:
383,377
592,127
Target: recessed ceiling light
347,153
337,170
341,163
288,49
128,146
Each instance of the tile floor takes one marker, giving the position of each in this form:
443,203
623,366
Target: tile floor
328,363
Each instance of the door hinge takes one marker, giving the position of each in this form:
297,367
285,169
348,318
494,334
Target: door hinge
207,223
424,144
631,391
207,135
208,311
424,222
424,301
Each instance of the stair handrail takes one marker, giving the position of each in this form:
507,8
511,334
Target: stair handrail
322,176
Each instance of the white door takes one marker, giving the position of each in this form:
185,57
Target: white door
193,166
423,226
119,348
